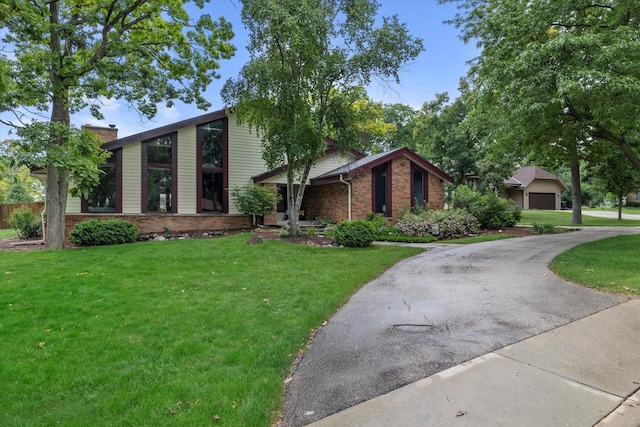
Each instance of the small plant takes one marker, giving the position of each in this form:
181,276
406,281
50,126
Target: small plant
377,220
167,230
357,234
312,231
108,232
25,221
255,200
544,228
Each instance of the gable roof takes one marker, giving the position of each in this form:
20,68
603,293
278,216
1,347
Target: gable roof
354,168
524,176
332,148
163,130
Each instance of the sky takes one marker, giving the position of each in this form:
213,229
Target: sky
437,69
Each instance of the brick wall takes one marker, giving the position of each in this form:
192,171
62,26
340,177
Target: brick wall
436,193
106,134
327,201
150,223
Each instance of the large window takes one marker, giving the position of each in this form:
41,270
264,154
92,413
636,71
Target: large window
211,167
158,174
381,176
419,193
106,196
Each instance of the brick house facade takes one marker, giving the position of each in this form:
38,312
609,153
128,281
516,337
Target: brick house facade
165,178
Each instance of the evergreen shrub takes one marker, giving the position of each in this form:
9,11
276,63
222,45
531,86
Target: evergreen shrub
357,234
108,232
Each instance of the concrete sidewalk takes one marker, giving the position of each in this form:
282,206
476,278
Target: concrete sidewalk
584,373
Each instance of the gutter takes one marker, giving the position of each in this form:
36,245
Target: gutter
348,184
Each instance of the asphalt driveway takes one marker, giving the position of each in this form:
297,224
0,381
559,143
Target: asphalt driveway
436,310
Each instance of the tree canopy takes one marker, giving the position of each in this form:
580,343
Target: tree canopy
68,55
558,75
307,60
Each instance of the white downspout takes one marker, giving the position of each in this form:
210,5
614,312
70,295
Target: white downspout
348,184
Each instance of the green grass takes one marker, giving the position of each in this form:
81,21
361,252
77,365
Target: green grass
477,239
7,233
166,333
563,218
609,265
625,209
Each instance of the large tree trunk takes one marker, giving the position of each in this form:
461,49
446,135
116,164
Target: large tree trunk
57,185
295,198
56,196
576,191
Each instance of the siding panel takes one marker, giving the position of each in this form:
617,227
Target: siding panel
244,157
187,171
131,178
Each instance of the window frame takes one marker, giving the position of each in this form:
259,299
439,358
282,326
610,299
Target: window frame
173,168
425,184
224,169
84,202
388,189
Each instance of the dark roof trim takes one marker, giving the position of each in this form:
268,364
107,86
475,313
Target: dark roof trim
362,165
163,130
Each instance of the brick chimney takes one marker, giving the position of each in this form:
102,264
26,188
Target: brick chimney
106,134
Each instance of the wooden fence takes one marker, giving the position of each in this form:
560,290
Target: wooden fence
5,211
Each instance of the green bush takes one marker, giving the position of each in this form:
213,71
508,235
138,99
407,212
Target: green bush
359,233
108,232
255,200
491,211
450,224
25,221
544,228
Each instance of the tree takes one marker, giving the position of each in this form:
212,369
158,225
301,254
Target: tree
70,54
308,59
615,174
404,117
558,75
444,136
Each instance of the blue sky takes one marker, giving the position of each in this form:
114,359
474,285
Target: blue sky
437,69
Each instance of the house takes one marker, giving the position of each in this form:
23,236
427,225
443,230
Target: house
178,176
532,187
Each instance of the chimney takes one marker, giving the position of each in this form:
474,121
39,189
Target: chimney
106,134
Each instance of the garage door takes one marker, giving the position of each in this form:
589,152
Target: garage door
546,201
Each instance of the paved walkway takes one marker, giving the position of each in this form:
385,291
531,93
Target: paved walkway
475,335
581,374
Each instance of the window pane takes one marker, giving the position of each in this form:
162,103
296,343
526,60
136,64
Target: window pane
158,190
212,144
159,150
212,191
418,189
380,185
103,196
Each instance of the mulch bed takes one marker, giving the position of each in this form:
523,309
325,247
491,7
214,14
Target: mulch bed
266,234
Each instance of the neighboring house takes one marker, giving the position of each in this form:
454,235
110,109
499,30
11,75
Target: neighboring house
177,177
532,187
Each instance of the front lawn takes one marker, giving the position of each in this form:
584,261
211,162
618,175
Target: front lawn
191,332
563,218
609,265
6,233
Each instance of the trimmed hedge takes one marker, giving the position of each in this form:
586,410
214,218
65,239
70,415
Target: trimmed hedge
108,232
356,234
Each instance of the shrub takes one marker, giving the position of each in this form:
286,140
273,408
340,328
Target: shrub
25,221
377,221
108,232
544,228
490,210
255,200
359,233
451,223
